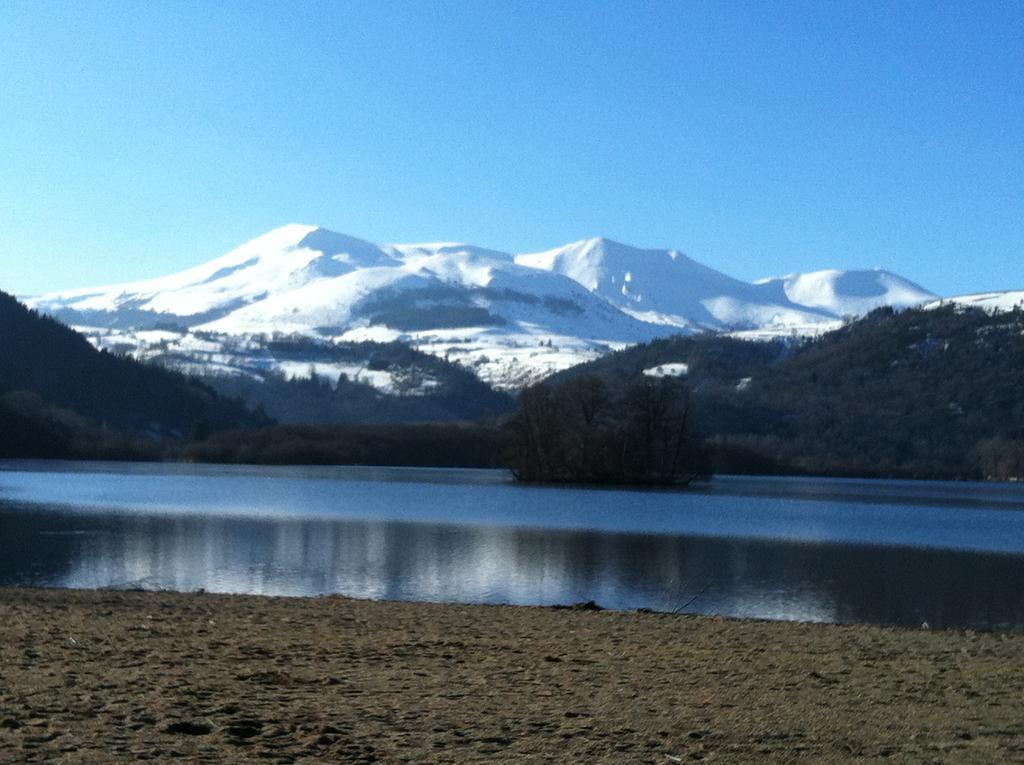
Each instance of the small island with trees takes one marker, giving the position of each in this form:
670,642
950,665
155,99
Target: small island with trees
584,431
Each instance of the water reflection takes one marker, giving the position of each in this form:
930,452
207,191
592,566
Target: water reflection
500,564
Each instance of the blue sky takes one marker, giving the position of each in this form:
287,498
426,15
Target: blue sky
759,138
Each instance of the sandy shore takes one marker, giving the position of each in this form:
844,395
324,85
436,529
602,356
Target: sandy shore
126,677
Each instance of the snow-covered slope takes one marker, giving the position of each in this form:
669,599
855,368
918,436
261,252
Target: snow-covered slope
846,293
512,318
989,301
270,265
667,287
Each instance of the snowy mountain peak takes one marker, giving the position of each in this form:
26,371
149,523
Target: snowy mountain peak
280,239
847,293
666,286
611,268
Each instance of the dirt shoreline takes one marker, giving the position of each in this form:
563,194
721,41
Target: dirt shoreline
98,676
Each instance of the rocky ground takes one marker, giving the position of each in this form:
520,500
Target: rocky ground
131,676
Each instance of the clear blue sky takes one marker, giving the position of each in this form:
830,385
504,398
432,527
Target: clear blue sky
761,138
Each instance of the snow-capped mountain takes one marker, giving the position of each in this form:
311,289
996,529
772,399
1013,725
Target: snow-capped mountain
512,318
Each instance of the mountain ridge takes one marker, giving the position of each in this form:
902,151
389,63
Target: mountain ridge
512,318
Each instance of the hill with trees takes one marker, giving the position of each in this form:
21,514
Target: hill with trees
59,396
420,387
916,393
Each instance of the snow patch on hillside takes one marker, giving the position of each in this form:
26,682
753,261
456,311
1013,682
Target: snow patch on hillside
677,369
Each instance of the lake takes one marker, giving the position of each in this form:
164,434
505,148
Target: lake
836,550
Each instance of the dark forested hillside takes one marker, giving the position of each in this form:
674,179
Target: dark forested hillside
917,393
710,357
426,388
55,387
921,393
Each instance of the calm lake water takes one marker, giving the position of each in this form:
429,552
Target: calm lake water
780,548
